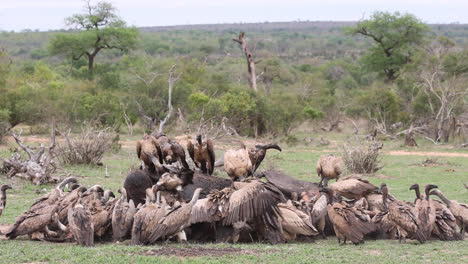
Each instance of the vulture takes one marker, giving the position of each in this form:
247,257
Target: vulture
425,209
248,202
171,151
237,164
202,154
3,197
349,223
258,153
54,196
294,222
329,167
80,221
353,188
122,217
319,212
404,218
289,185
69,201
149,152
175,221
445,226
147,218
32,221
459,210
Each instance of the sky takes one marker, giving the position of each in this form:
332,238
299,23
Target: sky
18,15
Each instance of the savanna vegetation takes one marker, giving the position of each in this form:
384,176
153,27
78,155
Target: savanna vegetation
102,82
402,76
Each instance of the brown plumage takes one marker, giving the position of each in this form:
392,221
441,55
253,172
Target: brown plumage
147,218
404,217
329,167
171,151
425,209
349,223
54,196
175,221
148,151
68,201
459,210
319,212
288,184
294,221
202,154
237,164
353,188
81,225
445,226
32,221
258,153
122,217
3,197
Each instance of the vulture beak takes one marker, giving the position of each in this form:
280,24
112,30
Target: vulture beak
414,186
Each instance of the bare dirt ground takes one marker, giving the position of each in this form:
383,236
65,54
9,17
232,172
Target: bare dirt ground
197,252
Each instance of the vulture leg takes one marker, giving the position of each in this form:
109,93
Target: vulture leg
326,182
321,180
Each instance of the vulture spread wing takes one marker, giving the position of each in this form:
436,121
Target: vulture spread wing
32,221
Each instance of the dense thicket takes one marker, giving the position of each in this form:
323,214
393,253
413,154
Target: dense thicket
306,70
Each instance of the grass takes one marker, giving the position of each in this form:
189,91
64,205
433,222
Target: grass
399,173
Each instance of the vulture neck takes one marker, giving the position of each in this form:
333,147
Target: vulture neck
195,197
442,197
418,193
384,198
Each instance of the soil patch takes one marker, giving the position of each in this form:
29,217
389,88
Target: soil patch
198,252
424,153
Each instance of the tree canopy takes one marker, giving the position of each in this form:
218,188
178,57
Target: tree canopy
99,28
395,37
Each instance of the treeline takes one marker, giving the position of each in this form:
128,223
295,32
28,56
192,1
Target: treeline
305,71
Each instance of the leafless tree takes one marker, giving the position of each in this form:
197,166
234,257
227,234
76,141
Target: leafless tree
445,91
172,80
38,167
250,60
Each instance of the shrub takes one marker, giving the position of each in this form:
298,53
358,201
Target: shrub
88,147
362,157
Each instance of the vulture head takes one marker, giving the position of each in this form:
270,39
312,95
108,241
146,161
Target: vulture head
428,188
5,187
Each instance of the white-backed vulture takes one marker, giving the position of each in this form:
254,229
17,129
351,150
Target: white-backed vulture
175,221
32,221
237,164
353,188
54,196
445,226
425,209
69,201
122,217
202,154
3,197
149,152
147,218
459,210
329,167
171,151
319,212
294,221
258,153
248,201
404,217
349,223
81,224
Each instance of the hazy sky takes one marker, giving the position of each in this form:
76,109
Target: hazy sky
49,14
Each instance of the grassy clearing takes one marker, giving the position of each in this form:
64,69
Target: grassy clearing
399,173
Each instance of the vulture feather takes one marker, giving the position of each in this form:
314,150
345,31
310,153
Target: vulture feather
3,197
202,154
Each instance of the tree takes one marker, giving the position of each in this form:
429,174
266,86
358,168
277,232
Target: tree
443,79
250,60
99,28
395,37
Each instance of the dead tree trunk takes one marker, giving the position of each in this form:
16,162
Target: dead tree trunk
409,138
250,61
38,168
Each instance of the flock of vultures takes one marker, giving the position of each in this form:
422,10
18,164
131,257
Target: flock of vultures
175,197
